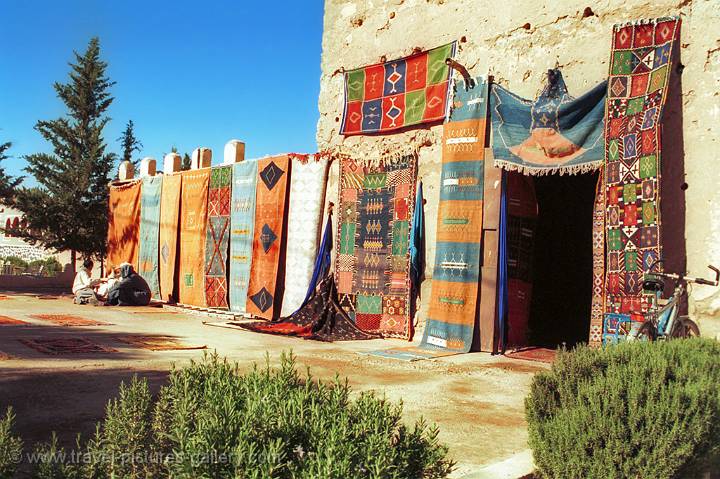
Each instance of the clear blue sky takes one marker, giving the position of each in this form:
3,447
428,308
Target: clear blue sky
188,73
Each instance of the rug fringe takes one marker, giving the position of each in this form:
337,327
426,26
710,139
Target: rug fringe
644,21
543,171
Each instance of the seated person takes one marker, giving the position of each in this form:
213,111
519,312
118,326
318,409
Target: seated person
130,290
84,286
103,288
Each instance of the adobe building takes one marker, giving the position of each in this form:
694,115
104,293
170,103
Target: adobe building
516,42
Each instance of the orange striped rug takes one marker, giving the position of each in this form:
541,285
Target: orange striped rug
156,343
5,320
69,320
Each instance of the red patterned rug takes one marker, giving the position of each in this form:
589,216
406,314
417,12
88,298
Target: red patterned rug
5,356
156,343
3,297
6,320
66,346
69,320
544,355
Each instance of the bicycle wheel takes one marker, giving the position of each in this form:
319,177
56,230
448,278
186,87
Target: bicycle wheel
685,327
647,332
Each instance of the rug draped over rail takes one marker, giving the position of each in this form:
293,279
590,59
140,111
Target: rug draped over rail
269,236
399,93
124,224
640,66
193,210
373,260
148,266
217,237
556,133
169,216
242,222
307,198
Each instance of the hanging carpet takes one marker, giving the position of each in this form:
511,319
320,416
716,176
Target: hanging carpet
217,237
193,226
269,236
399,93
169,217
123,224
148,258
640,66
556,133
242,222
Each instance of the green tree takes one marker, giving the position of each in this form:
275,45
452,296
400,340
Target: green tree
130,144
186,162
68,210
8,184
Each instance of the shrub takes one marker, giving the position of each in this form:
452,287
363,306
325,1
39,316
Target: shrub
15,261
10,446
632,410
51,266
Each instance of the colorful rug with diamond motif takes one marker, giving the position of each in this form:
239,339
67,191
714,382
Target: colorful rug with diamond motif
373,260
169,218
157,343
399,93
149,232
193,225
640,66
307,200
56,346
69,320
123,224
7,320
269,237
218,238
598,258
242,222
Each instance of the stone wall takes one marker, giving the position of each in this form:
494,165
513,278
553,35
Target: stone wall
516,41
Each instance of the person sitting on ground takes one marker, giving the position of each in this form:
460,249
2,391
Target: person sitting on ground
130,290
102,289
84,286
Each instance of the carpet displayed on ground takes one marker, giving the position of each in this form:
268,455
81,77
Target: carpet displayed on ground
555,133
398,93
148,256
123,224
640,66
69,320
193,225
269,237
242,222
168,241
533,354
373,260
5,356
7,320
157,343
218,237
307,194
56,346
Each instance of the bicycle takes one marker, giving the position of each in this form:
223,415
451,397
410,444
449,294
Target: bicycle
660,321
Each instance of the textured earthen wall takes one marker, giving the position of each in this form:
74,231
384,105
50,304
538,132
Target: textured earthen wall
516,41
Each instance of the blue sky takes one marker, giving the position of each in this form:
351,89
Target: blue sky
188,73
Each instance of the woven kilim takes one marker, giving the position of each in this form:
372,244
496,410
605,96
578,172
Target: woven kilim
398,93
218,237
269,237
156,343
555,133
150,232
66,346
242,223
193,225
69,320
169,217
598,254
307,199
639,70
123,224
373,260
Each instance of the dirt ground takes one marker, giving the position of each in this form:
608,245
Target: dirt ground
476,399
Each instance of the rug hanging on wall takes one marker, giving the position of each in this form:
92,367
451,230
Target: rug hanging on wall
555,133
307,199
242,222
193,226
264,293
373,260
168,241
218,237
148,257
399,93
640,66
598,258
123,224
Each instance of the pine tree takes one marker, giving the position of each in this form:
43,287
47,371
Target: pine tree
8,184
130,144
186,163
68,210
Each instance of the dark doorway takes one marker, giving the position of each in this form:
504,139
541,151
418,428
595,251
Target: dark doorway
562,263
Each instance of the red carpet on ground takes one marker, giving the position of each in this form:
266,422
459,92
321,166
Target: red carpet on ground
66,346
69,320
544,355
156,343
5,320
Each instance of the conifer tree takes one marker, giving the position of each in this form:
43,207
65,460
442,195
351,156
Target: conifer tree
186,163
8,184
69,208
130,144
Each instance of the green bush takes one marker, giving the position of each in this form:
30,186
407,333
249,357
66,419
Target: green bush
51,266
10,446
15,261
212,421
634,410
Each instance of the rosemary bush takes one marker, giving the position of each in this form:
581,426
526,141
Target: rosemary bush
10,446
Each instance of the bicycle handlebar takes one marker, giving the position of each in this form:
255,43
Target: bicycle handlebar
690,279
